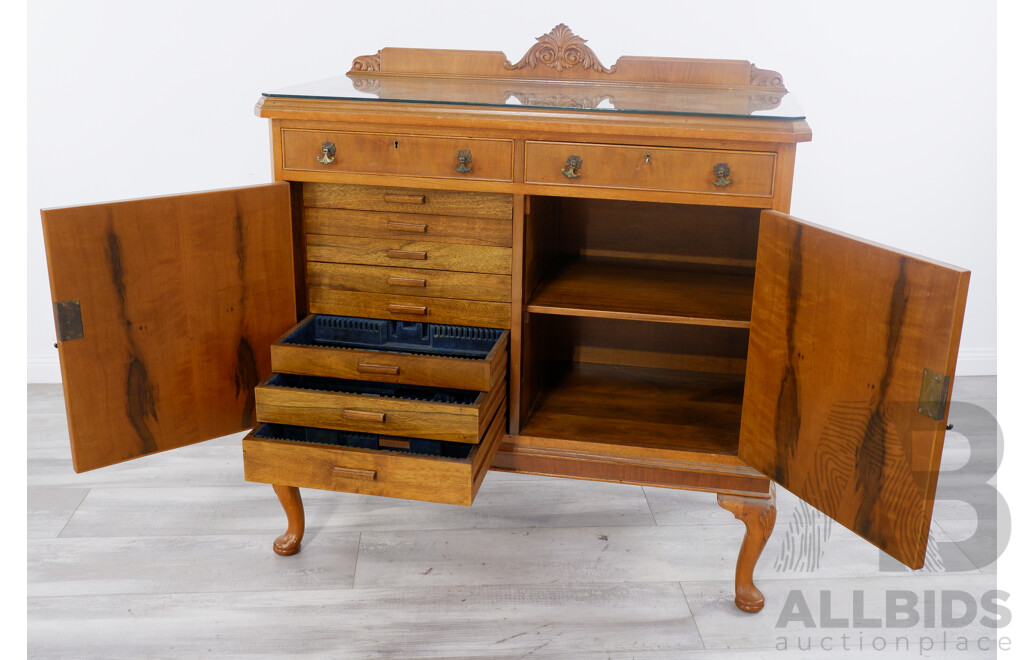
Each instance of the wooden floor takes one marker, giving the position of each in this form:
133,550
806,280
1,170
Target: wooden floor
170,557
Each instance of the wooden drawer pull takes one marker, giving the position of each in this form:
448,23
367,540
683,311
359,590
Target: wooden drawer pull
405,199
386,369
406,281
393,443
407,254
394,225
353,473
363,416
407,309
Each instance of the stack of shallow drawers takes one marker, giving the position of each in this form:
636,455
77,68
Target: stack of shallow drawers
396,384
397,408
409,254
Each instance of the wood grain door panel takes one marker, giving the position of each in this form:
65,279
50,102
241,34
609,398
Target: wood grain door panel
841,332
180,299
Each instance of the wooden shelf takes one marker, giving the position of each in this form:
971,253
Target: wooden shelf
642,290
637,406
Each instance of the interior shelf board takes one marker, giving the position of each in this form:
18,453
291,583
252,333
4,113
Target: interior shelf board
645,290
641,406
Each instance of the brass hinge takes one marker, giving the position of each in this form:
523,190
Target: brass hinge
934,392
67,316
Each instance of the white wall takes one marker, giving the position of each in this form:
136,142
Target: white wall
130,99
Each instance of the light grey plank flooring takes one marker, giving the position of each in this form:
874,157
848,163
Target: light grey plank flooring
169,557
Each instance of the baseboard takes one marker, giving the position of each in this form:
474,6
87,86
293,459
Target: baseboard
43,369
976,362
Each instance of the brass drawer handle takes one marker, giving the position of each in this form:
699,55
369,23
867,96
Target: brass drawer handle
327,151
406,281
364,416
572,167
722,175
418,310
353,473
407,254
405,199
465,161
406,226
385,369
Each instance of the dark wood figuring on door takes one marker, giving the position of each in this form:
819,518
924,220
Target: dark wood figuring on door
758,516
180,299
841,333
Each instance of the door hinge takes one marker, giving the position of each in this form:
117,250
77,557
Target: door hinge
934,392
67,316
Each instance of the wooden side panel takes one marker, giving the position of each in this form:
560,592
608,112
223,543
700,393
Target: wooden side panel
180,299
840,335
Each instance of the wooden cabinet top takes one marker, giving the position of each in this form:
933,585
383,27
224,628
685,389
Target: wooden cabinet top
559,82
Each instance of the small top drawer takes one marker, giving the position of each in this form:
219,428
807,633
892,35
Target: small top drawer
410,155
407,200
720,172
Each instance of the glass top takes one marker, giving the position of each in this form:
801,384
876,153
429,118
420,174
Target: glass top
640,98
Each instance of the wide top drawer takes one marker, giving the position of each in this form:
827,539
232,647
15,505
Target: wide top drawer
407,200
385,153
707,171
413,353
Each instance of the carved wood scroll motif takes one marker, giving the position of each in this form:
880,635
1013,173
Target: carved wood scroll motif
560,49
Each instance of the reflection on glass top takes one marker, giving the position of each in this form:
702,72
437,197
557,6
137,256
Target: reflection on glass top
763,102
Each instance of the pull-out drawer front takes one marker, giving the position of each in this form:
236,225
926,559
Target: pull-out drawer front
415,281
384,408
394,352
409,155
373,472
652,168
410,308
410,226
407,200
409,254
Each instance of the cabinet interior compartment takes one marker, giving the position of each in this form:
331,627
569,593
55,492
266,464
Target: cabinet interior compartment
669,263
636,322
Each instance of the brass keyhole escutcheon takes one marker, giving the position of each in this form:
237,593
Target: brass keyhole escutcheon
722,172
572,167
465,161
327,151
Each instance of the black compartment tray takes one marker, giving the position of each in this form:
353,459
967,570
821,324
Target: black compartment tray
399,336
362,440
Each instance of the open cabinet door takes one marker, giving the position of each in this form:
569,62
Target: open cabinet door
849,370
165,311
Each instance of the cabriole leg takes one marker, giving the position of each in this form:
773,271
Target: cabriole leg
289,542
758,515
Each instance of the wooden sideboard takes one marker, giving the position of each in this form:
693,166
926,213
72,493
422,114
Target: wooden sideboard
548,266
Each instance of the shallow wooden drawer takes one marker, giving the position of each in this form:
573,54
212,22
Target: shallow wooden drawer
407,200
410,155
372,407
652,168
433,355
417,281
386,472
412,226
410,308
409,254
